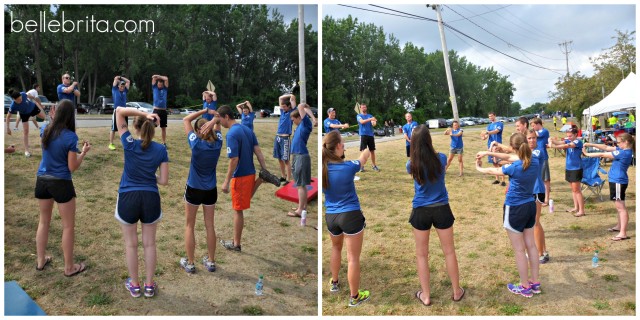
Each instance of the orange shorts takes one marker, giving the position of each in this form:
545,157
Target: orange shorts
241,192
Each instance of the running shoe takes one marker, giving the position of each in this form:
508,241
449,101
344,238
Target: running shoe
283,181
519,289
544,258
229,245
375,168
133,290
189,268
362,169
150,289
334,286
535,287
27,154
112,146
363,296
503,183
210,265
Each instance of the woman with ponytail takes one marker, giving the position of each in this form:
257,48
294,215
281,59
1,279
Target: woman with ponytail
138,196
431,208
622,156
519,216
343,216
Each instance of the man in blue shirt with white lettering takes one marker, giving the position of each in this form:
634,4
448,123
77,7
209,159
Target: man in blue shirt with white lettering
119,91
366,123
493,133
68,90
332,123
160,85
407,129
301,165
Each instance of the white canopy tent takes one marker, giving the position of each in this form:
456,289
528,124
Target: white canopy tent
623,97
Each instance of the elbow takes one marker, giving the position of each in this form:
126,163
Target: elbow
163,181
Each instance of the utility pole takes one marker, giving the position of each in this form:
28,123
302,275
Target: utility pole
566,52
445,55
303,78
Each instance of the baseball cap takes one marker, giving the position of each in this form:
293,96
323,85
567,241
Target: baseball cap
330,109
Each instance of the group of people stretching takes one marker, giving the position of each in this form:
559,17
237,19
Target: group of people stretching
524,160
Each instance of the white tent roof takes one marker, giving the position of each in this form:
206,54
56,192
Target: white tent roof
622,97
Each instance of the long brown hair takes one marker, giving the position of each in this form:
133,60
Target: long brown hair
423,155
64,119
330,142
147,130
629,140
210,136
519,143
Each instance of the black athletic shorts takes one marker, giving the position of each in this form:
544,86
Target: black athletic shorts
408,150
573,175
539,197
198,197
134,206
113,120
617,191
439,216
349,223
162,113
367,142
61,190
520,217
24,117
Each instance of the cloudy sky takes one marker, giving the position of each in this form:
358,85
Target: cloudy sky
531,33
290,12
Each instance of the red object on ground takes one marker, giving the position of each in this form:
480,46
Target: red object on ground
290,192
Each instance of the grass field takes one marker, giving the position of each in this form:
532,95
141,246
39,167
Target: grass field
273,244
486,261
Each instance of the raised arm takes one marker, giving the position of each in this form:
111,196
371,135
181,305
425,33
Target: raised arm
491,170
121,113
291,97
602,147
186,121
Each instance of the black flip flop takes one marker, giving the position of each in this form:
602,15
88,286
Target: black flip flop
418,294
462,296
47,260
82,268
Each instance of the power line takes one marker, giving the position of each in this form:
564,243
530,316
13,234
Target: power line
481,14
390,14
532,26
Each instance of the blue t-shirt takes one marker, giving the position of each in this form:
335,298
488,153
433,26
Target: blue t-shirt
541,141
621,160
285,124
24,107
301,136
140,166
55,159
204,159
341,195
213,105
367,128
495,137
119,97
240,143
159,96
327,122
62,95
430,192
521,182
456,142
539,187
247,119
574,155
408,130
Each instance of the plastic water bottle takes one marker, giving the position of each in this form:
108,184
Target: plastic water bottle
259,286
303,218
550,205
594,260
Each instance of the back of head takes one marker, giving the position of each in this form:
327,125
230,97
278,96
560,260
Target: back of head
295,114
14,93
536,121
423,156
210,136
524,121
518,142
146,129
64,119
224,111
330,142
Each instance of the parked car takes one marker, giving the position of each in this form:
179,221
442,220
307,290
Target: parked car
142,106
379,132
467,121
83,108
263,113
174,111
103,105
46,104
186,111
436,123
7,103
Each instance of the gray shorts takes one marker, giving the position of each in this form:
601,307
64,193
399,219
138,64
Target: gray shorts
455,151
546,175
301,167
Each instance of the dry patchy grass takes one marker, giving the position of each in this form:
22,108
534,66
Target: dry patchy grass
486,261
273,244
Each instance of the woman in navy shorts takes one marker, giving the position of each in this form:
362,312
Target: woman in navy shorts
343,215
138,196
60,157
431,208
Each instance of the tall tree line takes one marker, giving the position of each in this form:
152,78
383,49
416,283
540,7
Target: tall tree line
363,64
246,51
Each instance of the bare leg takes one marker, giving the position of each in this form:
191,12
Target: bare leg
68,214
130,235
547,191
112,134
209,213
623,218
534,262
373,158
164,135
451,155
578,199
42,235
190,212
302,199
288,167
255,186
538,232
461,164
422,263
450,259
25,136
354,248
517,243
149,244
238,224
283,168
336,255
